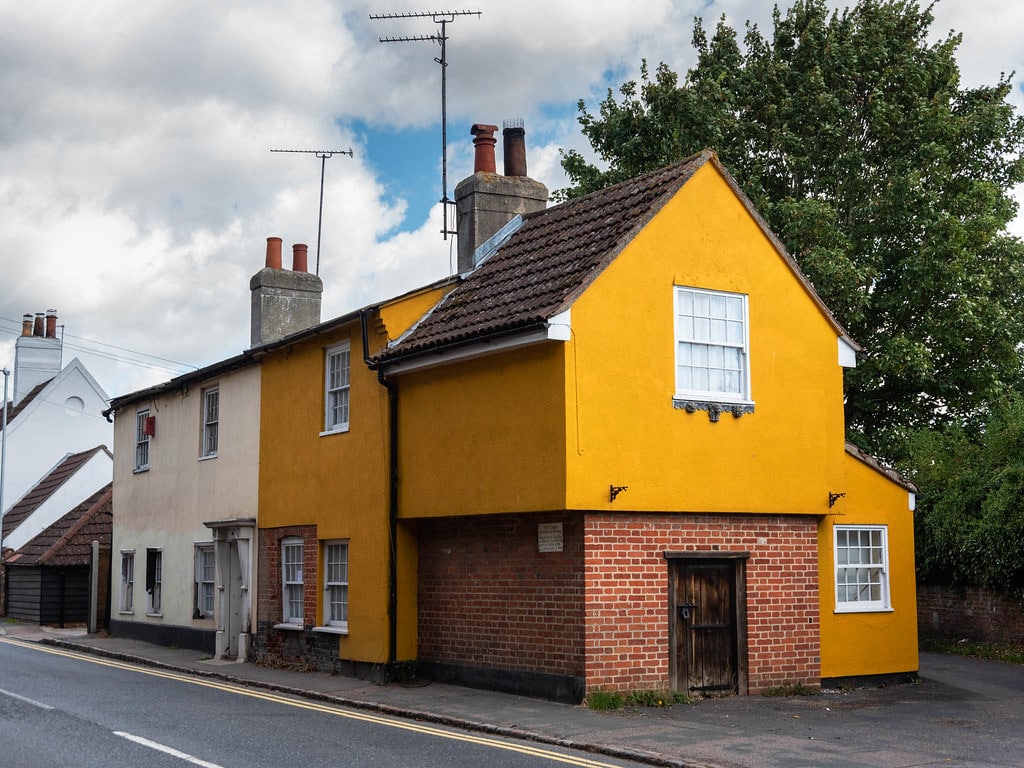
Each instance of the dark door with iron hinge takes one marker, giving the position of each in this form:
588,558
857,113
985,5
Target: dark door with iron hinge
706,637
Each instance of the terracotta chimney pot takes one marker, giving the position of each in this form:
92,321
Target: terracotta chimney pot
273,252
51,323
484,142
26,325
514,144
38,328
300,253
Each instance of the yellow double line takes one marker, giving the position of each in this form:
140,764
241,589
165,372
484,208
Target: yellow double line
327,709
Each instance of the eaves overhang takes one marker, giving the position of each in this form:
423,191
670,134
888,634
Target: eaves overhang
557,328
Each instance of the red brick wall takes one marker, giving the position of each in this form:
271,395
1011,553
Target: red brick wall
269,573
627,644
488,599
971,613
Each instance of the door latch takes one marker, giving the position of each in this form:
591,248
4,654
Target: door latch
684,611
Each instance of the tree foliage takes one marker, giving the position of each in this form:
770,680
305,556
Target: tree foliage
969,527
886,179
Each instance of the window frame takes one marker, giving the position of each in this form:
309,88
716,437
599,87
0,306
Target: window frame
842,588
126,601
332,584
154,581
331,389
289,585
205,585
692,394
142,440
210,426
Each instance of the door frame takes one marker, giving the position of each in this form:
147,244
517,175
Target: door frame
739,575
232,541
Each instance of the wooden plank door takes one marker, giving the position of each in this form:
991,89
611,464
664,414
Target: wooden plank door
706,628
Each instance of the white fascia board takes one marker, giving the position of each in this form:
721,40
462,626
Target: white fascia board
847,354
557,328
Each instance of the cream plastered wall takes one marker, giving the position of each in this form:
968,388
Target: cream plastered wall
880,642
166,506
622,428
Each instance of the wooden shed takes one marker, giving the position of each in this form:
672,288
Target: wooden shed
49,580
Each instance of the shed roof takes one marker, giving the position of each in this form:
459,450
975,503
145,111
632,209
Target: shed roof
68,542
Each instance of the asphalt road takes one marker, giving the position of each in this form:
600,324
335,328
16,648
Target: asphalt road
60,708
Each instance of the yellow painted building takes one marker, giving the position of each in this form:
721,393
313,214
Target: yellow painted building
609,454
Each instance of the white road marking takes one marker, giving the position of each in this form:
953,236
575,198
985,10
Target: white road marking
27,701
165,749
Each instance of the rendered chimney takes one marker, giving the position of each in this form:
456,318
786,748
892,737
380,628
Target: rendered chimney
37,353
283,301
485,202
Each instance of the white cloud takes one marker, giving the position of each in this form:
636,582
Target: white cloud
138,188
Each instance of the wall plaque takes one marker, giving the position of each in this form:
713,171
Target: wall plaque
549,537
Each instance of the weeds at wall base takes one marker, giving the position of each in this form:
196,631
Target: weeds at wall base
602,700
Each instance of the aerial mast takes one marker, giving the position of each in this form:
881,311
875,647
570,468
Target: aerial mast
323,154
442,18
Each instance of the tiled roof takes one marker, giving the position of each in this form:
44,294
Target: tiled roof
13,410
68,541
547,263
46,487
878,466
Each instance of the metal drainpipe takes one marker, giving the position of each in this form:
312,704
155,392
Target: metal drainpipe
392,492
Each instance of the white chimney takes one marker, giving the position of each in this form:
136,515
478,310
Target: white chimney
37,353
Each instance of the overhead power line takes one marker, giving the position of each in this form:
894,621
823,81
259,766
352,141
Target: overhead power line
111,351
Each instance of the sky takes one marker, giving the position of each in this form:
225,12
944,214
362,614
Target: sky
137,185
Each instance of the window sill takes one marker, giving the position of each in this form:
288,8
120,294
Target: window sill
151,615
865,609
714,408
140,470
334,431
290,627
126,613
331,630
207,458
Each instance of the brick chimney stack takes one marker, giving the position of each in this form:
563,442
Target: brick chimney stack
486,201
283,301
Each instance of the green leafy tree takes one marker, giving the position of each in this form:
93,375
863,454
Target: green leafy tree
886,179
969,525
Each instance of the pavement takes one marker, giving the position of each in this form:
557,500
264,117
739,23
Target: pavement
961,712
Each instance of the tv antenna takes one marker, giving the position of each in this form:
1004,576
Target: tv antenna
442,18
323,154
